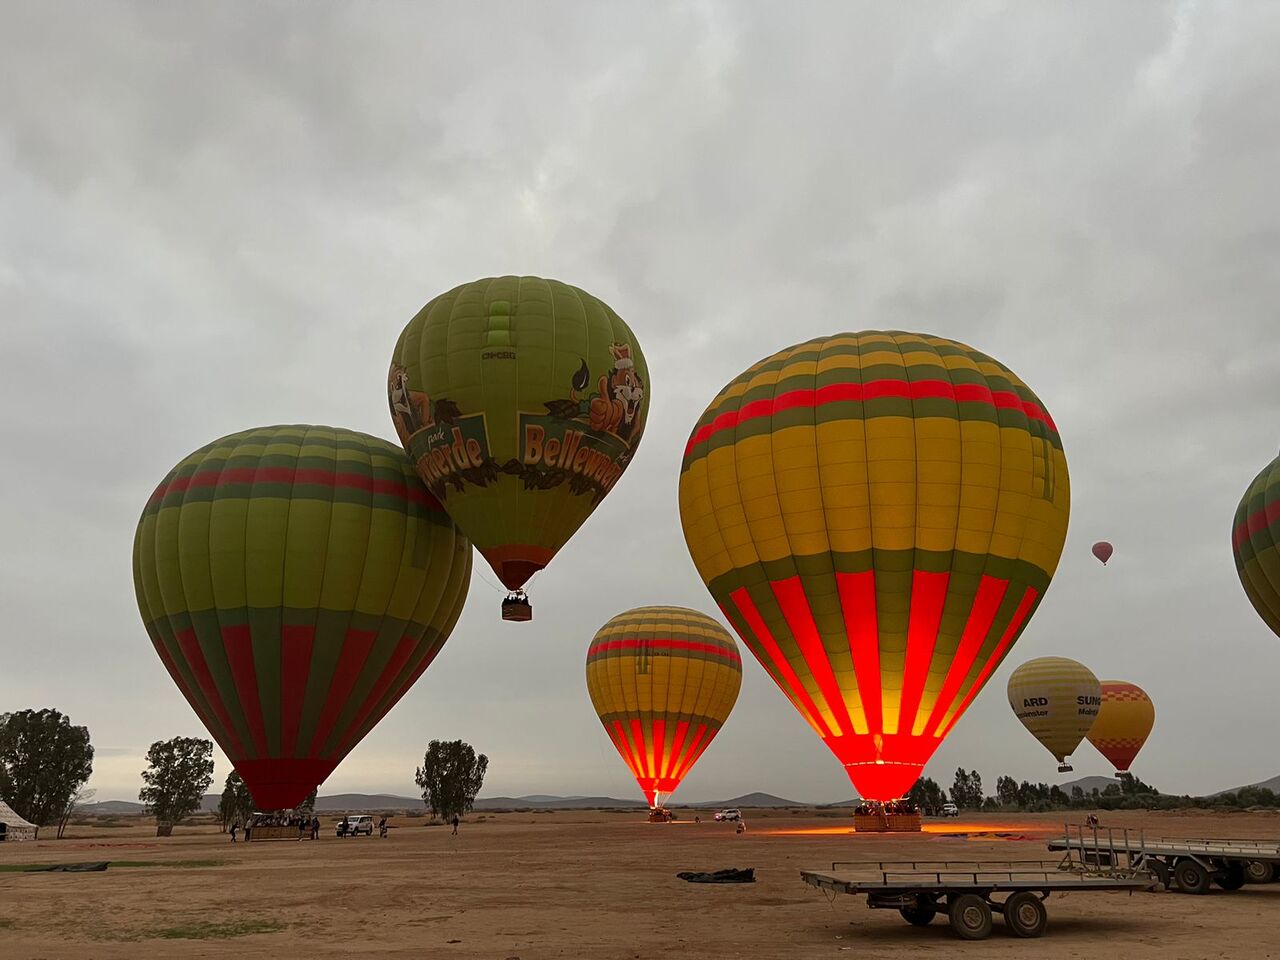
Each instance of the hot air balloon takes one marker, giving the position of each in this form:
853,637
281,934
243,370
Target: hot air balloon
1254,536
663,680
1103,550
1057,700
878,515
522,401
1124,721
296,581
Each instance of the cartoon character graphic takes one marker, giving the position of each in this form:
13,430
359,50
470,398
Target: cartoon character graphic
617,407
410,409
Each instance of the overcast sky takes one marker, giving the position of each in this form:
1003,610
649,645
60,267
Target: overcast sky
220,215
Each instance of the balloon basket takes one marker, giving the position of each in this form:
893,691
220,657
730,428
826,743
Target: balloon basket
879,820
1065,768
516,608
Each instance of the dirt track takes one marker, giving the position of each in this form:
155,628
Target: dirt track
579,885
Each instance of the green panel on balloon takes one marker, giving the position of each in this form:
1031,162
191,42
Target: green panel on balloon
521,401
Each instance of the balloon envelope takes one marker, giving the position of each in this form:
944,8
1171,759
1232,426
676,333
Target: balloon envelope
1254,538
296,581
521,401
1103,550
662,680
1124,722
878,515
1057,700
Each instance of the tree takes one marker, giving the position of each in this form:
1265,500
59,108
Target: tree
236,803
927,795
73,805
1007,791
450,777
44,761
966,791
308,805
179,771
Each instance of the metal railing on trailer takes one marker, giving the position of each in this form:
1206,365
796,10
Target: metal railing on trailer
1187,864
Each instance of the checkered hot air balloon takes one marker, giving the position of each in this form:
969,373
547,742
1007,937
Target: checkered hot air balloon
1254,538
296,581
662,680
1124,722
878,515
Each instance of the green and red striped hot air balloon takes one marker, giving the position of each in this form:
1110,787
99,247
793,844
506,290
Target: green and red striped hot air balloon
296,581
1254,538
878,514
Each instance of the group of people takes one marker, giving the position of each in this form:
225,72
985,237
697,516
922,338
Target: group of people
296,821
889,808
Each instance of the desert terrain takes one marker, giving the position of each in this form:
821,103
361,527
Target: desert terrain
594,885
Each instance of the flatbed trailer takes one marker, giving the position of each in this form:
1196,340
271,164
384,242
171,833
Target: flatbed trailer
1186,864
970,892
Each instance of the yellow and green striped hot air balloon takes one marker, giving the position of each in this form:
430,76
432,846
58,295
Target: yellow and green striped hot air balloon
521,401
1255,536
878,514
662,680
1124,722
1057,700
296,581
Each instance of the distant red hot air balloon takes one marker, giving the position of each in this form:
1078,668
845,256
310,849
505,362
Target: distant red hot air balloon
1103,550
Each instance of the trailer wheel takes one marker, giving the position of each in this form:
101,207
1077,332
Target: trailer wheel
1259,871
1025,915
1231,876
1190,876
921,914
970,917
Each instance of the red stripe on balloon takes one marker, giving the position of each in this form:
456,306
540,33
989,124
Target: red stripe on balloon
872,390
790,683
691,757
197,704
664,643
355,652
677,745
238,641
395,663
659,742
1256,522
858,605
928,595
985,604
194,654
642,749
795,607
1011,631
290,475
296,643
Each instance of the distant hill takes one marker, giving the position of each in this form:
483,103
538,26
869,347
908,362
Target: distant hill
1272,784
1088,784
541,801
747,800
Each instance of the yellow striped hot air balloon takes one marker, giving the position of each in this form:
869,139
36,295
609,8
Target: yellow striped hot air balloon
878,515
1124,722
1057,700
662,680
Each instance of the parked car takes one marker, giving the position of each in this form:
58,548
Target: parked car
950,810
354,826
728,816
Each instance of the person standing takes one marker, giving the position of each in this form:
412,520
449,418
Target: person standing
455,824
315,828
382,828
234,827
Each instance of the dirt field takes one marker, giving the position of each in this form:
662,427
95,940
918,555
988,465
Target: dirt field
580,885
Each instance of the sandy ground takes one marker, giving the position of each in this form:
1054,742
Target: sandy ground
580,885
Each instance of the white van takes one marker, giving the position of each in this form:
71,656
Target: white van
356,826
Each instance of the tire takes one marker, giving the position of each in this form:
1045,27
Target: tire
1231,876
1025,915
1190,876
920,915
1259,871
970,917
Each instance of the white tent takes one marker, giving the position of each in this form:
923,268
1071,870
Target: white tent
13,827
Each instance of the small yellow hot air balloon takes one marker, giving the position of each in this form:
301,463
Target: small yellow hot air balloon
1057,700
663,680
1124,722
